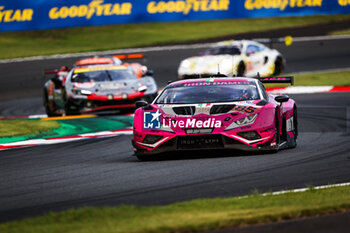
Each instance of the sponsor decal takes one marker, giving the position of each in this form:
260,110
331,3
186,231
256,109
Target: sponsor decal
343,2
98,68
26,15
186,6
290,124
245,109
195,131
217,83
281,4
153,120
111,85
203,108
94,8
83,85
204,105
15,15
200,141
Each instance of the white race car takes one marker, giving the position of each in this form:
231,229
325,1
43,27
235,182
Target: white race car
234,58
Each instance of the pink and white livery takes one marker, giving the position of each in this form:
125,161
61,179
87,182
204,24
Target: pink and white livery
215,113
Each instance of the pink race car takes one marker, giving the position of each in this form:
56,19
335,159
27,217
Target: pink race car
215,113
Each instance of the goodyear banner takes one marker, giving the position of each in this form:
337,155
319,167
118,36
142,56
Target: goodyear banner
16,15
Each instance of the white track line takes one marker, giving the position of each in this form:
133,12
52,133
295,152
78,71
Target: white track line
49,141
300,190
305,189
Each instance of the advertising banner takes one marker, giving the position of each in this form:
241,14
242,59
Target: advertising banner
17,15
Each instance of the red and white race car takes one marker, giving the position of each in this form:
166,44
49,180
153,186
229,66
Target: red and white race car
98,84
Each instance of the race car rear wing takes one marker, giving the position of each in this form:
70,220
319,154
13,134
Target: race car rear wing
55,71
129,56
287,40
286,79
50,71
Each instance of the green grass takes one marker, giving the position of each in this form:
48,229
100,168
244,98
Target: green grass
82,39
341,32
11,128
341,78
193,216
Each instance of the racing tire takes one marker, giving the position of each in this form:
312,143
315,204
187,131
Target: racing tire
279,66
277,134
241,69
294,140
68,111
49,112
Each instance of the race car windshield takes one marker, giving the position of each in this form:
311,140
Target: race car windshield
208,94
103,76
231,50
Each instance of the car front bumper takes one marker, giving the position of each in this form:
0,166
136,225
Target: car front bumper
203,142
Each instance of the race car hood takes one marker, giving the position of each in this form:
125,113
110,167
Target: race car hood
211,64
118,87
145,84
206,118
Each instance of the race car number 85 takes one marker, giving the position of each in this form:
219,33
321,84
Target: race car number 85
245,109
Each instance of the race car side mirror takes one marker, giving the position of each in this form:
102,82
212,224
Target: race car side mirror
141,103
149,73
57,81
282,98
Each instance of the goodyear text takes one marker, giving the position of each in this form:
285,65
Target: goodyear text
280,4
10,15
94,8
185,6
344,2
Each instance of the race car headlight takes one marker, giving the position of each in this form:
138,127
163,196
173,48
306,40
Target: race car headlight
185,64
241,122
247,120
142,88
81,92
85,92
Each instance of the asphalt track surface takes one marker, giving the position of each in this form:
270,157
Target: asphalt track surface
103,172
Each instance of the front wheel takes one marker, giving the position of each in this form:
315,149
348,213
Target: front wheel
240,69
279,66
277,135
294,138
50,107
68,109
